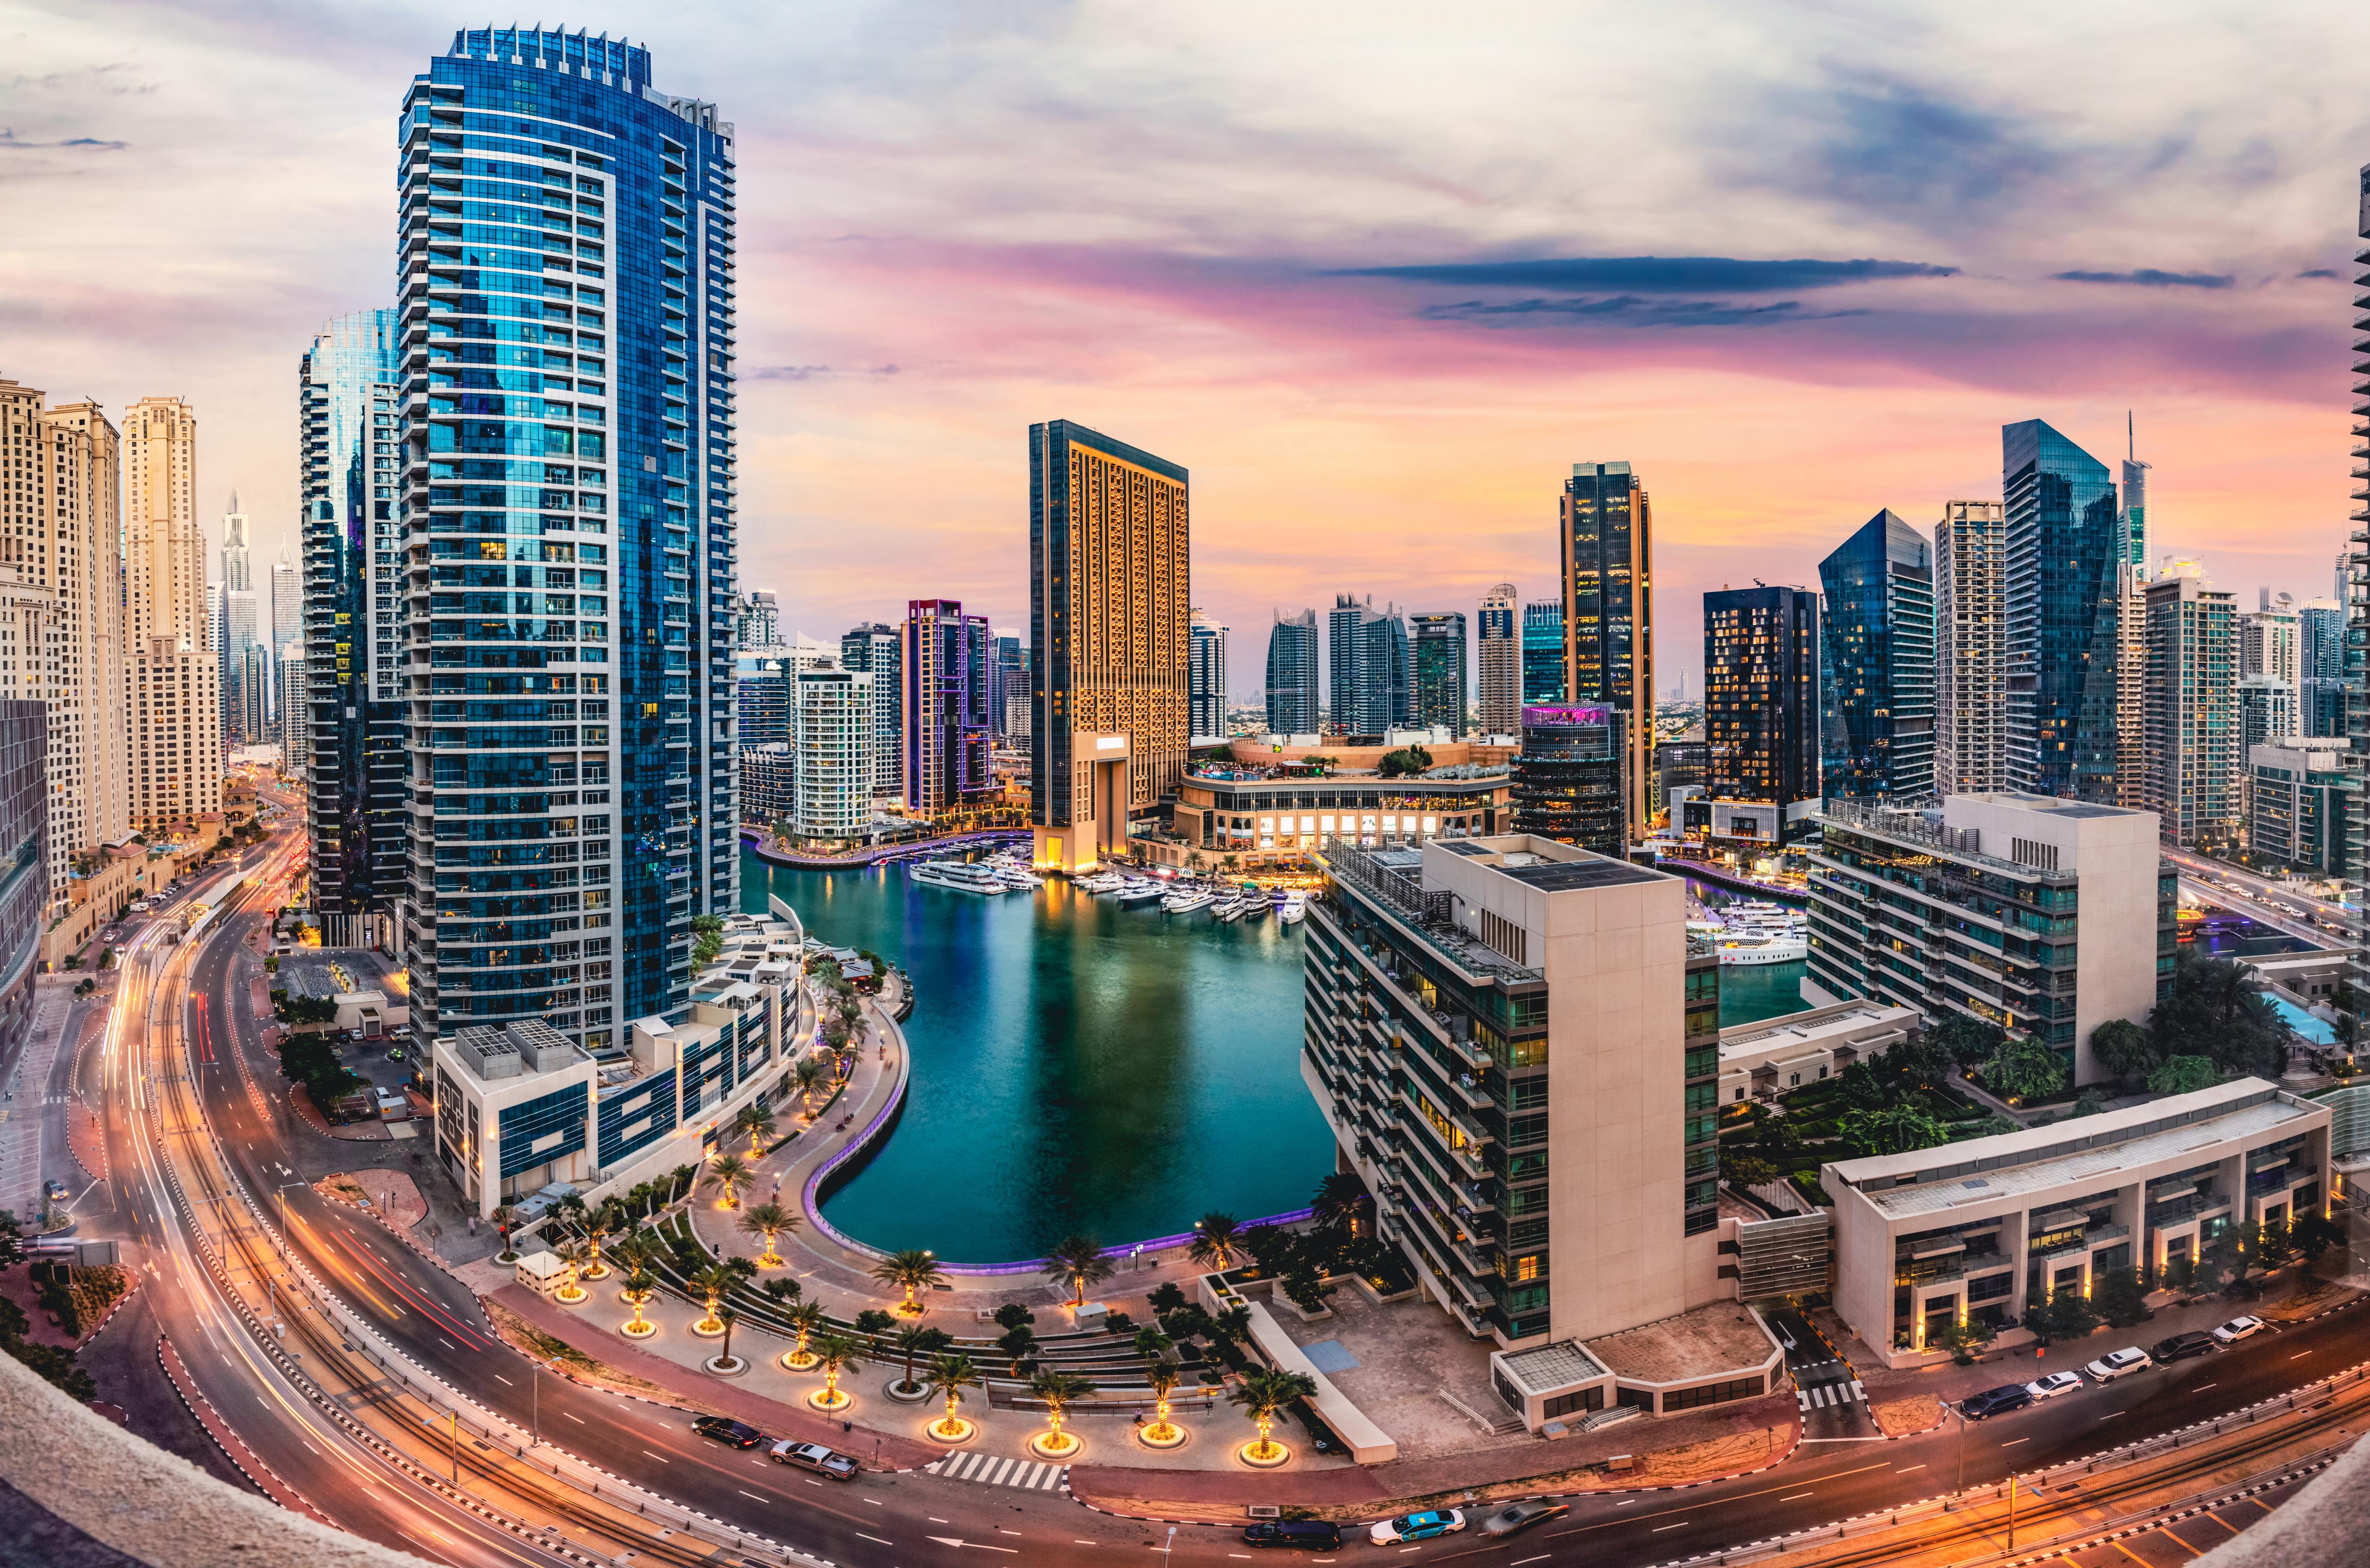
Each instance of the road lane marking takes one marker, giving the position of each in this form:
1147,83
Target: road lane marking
746,1493
661,1458
2013,1442
1658,1529
2299,1356
876,1538
577,1419
2203,1387
1906,1469
1795,1498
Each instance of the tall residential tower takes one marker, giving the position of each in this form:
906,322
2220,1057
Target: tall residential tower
2067,584
568,640
176,762
1109,591
1292,684
1970,648
1497,686
1877,642
1606,539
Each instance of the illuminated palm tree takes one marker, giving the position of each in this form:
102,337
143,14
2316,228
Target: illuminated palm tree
1078,1262
910,1272
1163,1378
598,1224
768,1221
638,1287
713,1282
953,1373
1216,1239
1262,1392
809,1072
805,1319
573,1254
1058,1389
757,1124
725,1176
834,1353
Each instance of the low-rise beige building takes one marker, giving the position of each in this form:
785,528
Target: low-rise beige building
1772,1055
1988,1227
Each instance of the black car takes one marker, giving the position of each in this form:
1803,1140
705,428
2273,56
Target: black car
1995,1401
2179,1347
739,1434
1516,1517
1301,1535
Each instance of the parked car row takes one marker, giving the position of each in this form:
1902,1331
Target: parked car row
798,1456
2107,1368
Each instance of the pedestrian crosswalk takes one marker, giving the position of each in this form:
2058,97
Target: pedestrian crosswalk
1829,1394
990,1471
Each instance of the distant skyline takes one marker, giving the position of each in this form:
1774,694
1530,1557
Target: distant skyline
1796,266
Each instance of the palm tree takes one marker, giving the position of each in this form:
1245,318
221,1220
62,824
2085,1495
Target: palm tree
1058,1389
638,1285
757,1123
1078,1262
1262,1392
1338,1198
953,1372
1163,1377
805,1319
914,1341
503,1217
834,1353
768,1221
713,1282
809,1073
726,1174
598,1224
572,1254
727,1317
1216,1239
910,1271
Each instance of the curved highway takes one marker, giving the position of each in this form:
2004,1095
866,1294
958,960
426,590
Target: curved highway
909,1518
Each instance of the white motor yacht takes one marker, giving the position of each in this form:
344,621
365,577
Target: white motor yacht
962,876
1294,909
1141,889
1185,899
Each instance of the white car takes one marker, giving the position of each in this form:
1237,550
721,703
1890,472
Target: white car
1417,1527
2052,1386
2119,1364
2238,1329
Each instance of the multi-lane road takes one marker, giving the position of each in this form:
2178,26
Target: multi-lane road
199,1126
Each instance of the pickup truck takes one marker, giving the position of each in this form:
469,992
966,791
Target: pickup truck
816,1457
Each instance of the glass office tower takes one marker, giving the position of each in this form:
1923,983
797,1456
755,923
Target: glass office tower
1542,655
1606,528
350,416
565,259
2066,538
1875,637
1291,674
1439,691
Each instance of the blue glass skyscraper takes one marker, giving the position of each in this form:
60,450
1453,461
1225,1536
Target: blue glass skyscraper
349,472
2066,538
1291,674
1543,655
565,257
1876,644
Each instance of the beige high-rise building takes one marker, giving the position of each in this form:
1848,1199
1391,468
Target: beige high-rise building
61,613
1498,641
1970,648
1111,597
176,761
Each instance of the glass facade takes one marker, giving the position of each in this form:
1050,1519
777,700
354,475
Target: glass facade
1439,695
873,649
1877,652
1291,674
1370,676
539,1130
1543,656
349,414
2066,540
1608,610
945,662
1498,665
1205,675
1761,696
1568,778
565,257
24,862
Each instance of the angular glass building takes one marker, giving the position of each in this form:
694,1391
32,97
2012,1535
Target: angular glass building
1605,529
566,262
1542,655
1876,638
1291,674
2064,649
1439,694
350,412
1568,779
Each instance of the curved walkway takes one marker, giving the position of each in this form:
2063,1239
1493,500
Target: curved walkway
878,853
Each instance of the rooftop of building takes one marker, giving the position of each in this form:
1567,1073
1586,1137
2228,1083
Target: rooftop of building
1722,1337
1242,773
2072,1153
1551,1367
1813,1026
527,1048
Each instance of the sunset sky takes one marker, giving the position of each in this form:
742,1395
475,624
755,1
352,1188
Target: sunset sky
1377,274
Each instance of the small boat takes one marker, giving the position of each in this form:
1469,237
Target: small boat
1015,875
1185,900
1255,903
961,876
1142,890
1098,881
1764,949
1294,909
1232,908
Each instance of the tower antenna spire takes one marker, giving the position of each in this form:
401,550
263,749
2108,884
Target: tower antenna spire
2131,436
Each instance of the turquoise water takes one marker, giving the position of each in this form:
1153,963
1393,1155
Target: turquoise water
1749,993
2308,1028
1077,1067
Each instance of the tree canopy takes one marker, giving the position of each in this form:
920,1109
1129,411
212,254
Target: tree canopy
2126,1049
1895,1130
2213,1014
2024,1068
2183,1074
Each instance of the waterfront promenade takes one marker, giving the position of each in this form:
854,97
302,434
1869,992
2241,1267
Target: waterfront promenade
856,859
